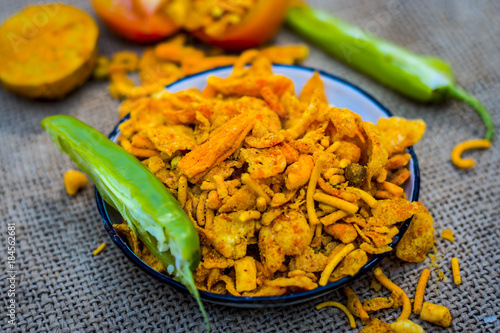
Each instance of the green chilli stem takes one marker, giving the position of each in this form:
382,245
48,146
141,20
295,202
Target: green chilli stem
459,94
186,277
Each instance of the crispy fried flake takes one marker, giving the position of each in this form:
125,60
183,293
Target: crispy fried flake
271,254
140,140
298,174
309,115
314,83
264,163
342,231
213,277
154,164
289,234
267,140
282,198
389,212
397,134
345,121
376,326
246,274
170,139
292,232
448,234
348,151
243,199
132,240
223,142
377,155
291,154
301,282
287,54
230,285
369,248
351,264
308,261
202,128
377,303
266,290
213,259
418,239
250,85
229,236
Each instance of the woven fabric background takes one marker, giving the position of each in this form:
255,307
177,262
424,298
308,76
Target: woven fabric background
62,287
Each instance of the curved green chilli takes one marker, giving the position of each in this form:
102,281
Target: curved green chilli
128,186
424,79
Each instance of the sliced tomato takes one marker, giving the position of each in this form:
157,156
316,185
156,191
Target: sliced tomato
258,27
135,20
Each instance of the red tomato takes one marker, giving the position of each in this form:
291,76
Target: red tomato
259,26
135,20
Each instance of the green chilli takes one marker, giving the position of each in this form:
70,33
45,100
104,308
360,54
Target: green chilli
424,79
153,213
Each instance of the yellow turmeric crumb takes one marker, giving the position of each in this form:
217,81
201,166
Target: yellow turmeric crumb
375,285
74,181
441,276
99,249
448,234
456,271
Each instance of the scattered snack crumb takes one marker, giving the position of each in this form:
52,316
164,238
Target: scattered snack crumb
377,303
406,326
376,326
354,305
384,280
99,249
448,234
375,285
74,181
456,271
441,276
456,153
436,314
419,294
352,322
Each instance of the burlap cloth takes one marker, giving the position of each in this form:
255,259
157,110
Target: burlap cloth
62,287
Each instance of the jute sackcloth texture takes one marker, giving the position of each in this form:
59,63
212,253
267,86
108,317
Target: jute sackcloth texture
62,287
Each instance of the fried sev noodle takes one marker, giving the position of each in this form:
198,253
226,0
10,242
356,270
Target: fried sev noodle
267,178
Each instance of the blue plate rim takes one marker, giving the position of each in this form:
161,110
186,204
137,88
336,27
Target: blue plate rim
266,301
